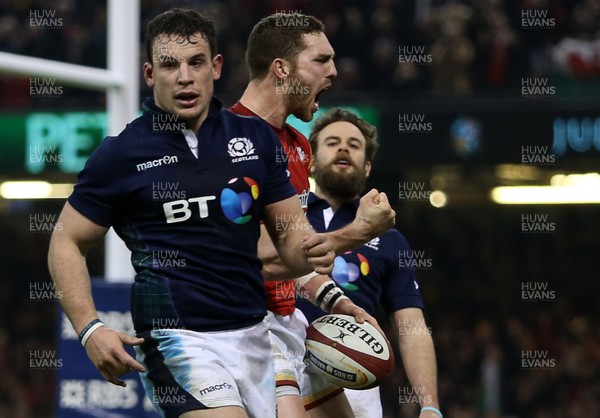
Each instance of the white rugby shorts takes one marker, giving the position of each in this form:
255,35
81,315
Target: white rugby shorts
188,370
287,334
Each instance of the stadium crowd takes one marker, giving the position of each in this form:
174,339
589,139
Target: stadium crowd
406,48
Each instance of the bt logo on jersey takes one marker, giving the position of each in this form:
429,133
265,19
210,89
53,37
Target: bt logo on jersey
236,200
236,205
179,210
345,273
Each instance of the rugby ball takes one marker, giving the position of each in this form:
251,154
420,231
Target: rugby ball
351,355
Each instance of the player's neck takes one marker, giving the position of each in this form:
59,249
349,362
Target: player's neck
334,201
260,98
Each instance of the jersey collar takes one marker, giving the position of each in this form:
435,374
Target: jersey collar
149,106
313,199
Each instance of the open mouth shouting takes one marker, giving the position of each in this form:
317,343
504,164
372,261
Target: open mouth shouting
315,104
187,98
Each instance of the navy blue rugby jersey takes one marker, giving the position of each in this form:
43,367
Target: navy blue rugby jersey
192,223
372,274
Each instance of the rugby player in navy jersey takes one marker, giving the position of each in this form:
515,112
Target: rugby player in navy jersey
200,324
376,274
291,63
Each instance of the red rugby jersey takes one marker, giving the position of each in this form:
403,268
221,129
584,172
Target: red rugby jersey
281,295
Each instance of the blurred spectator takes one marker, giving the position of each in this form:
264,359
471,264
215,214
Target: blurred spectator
452,51
477,46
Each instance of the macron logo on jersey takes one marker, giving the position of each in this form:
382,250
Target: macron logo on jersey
241,149
167,159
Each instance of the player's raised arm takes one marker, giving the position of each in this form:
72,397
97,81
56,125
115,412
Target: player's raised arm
66,261
373,217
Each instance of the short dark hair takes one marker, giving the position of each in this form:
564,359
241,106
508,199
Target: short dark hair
278,36
341,115
180,22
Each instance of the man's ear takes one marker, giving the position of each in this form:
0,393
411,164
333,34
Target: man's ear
217,65
368,168
149,74
280,67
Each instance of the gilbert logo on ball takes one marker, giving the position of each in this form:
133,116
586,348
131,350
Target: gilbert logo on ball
351,355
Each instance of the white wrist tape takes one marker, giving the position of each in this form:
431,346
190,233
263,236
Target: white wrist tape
301,281
328,295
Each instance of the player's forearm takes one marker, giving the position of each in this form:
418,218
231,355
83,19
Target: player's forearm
293,261
273,267
69,272
350,237
299,247
418,357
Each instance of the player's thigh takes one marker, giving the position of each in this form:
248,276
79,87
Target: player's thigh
290,407
337,407
222,412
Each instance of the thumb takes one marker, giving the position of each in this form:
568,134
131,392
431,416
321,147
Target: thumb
131,340
359,315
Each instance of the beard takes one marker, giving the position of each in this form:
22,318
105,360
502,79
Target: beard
299,97
346,186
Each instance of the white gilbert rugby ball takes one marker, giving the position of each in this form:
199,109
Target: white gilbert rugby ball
351,355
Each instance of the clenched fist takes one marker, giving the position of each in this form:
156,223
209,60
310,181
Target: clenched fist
374,215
